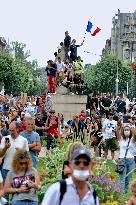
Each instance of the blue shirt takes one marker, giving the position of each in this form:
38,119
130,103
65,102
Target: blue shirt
67,41
34,137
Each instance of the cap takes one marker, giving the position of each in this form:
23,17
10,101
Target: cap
81,152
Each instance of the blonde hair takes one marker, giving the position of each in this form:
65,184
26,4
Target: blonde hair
72,147
20,155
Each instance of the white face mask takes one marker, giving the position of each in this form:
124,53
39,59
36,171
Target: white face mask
81,175
127,132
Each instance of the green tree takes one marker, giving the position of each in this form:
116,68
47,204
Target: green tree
102,76
19,49
6,70
18,74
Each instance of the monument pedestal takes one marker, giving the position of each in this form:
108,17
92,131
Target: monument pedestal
69,105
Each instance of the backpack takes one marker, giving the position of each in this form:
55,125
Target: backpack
63,189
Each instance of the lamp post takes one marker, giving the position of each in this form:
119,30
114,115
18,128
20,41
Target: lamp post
117,79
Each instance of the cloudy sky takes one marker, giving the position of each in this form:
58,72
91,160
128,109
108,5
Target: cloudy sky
41,24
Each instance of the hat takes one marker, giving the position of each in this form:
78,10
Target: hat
79,152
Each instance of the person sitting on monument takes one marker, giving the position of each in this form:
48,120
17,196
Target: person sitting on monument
79,66
78,84
68,82
60,71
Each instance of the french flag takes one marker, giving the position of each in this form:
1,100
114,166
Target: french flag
89,29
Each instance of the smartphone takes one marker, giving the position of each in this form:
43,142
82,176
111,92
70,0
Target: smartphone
32,178
7,140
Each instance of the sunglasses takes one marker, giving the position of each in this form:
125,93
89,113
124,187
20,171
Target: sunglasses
23,163
85,162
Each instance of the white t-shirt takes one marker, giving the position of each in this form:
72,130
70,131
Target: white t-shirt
110,126
60,67
20,142
1,179
52,195
123,146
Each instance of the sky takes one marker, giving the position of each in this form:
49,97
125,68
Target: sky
41,24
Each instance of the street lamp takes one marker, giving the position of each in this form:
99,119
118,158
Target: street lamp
117,79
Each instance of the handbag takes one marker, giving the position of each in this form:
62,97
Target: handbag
121,165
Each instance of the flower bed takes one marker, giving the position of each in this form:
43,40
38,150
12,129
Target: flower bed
106,184
104,180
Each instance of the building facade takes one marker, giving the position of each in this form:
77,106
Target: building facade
123,36
3,43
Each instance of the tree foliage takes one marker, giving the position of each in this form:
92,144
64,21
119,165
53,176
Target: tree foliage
102,76
18,74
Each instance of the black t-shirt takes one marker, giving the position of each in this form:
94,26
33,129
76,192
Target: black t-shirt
67,41
78,80
106,102
121,106
39,123
90,102
73,49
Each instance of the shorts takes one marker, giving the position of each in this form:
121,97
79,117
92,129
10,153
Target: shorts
110,144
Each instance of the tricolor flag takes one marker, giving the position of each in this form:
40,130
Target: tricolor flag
89,28
95,31
132,60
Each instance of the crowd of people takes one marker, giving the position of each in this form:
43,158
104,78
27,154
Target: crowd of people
26,125
67,69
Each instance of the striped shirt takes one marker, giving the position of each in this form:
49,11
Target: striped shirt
71,197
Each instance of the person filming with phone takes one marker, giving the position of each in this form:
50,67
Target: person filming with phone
23,180
8,147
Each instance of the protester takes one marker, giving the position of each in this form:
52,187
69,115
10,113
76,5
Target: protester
73,50
52,127
67,42
78,189
8,147
40,126
79,66
66,171
105,105
60,71
23,180
61,51
51,73
48,103
33,139
126,146
109,135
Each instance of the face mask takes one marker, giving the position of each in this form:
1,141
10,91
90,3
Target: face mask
127,132
81,175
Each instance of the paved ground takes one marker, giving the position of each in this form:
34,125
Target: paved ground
43,153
